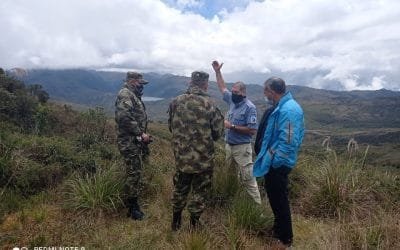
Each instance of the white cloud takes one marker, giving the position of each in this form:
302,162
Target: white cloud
342,38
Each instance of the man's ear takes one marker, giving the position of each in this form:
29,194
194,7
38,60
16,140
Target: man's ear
277,96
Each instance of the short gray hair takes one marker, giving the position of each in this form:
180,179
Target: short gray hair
241,85
276,84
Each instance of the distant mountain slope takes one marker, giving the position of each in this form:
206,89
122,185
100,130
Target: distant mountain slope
324,109
73,85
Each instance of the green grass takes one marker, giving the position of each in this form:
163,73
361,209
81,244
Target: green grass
341,186
99,192
247,214
234,235
225,181
337,201
197,240
61,180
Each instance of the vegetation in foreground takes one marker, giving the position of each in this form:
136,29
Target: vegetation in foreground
61,185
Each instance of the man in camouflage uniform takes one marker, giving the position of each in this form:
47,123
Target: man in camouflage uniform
131,119
195,124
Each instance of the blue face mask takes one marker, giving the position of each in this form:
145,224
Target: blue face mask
237,98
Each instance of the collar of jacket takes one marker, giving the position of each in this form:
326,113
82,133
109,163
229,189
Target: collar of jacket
131,88
286,97
193,89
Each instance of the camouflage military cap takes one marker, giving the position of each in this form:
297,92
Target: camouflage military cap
199,77
137,76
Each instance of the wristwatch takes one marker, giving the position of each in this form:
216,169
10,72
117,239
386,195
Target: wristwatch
233,126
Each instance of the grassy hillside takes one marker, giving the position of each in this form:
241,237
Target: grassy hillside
61,185
66,190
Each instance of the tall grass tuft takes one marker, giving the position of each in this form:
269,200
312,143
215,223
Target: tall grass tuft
234,235
379,232
225,181
341,187
246,214
99,192
225,186
196,240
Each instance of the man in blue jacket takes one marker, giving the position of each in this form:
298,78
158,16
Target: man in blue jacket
278,154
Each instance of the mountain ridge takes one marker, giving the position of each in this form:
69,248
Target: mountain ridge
324,109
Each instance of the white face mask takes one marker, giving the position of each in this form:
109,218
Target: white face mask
268,101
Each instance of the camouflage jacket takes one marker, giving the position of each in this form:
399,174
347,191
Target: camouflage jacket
130,114
195,124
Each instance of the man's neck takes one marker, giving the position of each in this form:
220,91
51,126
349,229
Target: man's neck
278,98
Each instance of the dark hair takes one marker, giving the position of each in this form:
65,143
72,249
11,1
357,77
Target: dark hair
276,84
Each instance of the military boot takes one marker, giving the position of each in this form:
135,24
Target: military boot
134,209
176,221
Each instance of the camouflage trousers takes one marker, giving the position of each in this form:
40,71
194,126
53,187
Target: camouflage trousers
133,169
199,183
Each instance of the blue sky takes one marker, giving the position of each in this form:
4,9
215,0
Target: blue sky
209,8
340,45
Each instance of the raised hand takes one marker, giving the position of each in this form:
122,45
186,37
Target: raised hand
216,66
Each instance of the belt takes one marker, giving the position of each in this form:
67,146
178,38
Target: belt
231,144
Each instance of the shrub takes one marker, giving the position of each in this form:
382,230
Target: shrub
43,120
95,193
92,126
47,150
7,146
16,104
58,150
38,92
24,168
29,177
387,185
85,141
10,201
107,152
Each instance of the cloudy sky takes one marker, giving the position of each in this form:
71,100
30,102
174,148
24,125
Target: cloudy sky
341,44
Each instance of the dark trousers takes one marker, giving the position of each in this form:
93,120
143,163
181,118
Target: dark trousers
276,186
